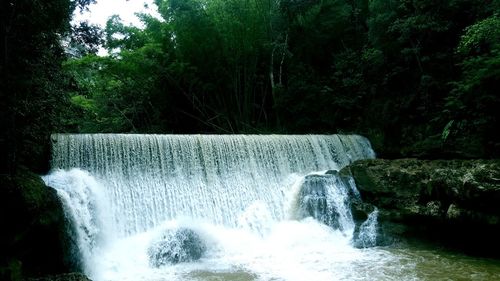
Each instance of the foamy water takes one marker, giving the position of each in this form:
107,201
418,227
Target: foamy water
262,207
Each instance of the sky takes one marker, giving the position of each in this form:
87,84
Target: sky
103,9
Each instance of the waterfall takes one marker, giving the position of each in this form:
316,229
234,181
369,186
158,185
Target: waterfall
153,178
368,231
325,197
249,183
83,200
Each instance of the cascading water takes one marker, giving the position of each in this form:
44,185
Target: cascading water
368,231
207,207
235,182
153,178
83,200
325,197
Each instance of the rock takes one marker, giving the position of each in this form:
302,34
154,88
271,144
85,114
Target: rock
454,202
326,198
361,213
312,199
36,237
63,277
176,246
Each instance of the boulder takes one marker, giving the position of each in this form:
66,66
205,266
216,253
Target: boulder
313,200
176,246
326,198
36,237
455,202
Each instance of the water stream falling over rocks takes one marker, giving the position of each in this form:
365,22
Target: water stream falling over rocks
219,207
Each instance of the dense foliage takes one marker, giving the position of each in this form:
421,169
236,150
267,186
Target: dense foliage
418,77
33,92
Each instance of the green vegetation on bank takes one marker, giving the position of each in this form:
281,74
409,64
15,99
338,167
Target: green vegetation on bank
34,95
417,77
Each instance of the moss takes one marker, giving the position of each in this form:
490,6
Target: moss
35,231
427,196
11,271
31,188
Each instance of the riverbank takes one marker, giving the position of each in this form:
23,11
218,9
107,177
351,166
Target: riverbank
36,238
451,202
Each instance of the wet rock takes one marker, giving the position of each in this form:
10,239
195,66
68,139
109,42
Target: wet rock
453,201
36,237
326,198
312,199
361,213
176,246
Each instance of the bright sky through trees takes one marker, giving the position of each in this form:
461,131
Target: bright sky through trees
100,12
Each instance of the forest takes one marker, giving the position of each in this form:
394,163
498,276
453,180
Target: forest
419,78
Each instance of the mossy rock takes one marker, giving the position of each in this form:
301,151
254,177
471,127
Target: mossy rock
439,199
36,235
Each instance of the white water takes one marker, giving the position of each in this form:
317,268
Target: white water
239,193
84,200
368,230
153,178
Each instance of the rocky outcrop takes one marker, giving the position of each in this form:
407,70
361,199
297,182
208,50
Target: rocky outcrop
36,238
452,201
324,197
176,246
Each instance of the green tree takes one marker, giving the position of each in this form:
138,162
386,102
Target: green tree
324,37
472,106
32,83
297,66
129,90
418,40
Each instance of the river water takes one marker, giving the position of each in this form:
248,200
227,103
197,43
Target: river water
247,199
